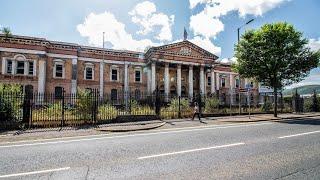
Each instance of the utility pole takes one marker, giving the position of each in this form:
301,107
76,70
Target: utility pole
238,30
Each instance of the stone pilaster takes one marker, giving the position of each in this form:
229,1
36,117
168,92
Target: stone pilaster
42,77
166,79
101,81
179,79
153,77
213,82
202,91
190,81
74,76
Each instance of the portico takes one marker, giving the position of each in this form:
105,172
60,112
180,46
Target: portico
184,69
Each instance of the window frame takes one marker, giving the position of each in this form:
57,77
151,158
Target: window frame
23,67
6,66
135,75
116,68
87,66
60,63
17,59
209,81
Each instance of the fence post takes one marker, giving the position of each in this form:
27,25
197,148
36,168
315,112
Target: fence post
62,109
179,113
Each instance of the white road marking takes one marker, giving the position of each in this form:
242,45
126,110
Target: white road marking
191,150
34,172
133,135
301,134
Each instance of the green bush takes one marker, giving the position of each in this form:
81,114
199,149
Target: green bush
308,105
266,107
107,111
84,104
11,102
137,109
211,105
174,104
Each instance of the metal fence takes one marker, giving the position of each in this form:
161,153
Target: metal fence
88,107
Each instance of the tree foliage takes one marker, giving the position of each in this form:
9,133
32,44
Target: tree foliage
6,31
275,55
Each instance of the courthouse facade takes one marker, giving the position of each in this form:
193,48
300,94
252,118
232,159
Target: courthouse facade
181,68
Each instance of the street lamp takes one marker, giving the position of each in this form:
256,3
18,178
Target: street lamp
242,27
238,30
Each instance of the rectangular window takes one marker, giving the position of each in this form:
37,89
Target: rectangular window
114,75
89,74
9,67
30,68
59,70
20,67
209,81
223,82
138,76
237,83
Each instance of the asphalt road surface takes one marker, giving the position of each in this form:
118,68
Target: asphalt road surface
264,150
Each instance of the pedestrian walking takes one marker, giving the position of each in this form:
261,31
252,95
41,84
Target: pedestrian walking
196,111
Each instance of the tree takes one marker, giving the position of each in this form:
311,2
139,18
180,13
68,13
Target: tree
6,31
315,104
275,55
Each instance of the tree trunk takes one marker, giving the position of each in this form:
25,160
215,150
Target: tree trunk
275,94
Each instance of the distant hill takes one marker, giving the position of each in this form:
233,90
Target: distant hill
303,90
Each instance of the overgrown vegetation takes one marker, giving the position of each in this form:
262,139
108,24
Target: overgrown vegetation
211,105
10,103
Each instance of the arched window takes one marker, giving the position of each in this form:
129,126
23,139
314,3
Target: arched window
58,92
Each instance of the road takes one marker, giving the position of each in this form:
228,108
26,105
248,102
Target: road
264,150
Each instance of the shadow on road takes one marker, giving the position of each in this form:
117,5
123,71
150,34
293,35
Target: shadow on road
304,121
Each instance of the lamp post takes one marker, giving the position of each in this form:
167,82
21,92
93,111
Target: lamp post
238,30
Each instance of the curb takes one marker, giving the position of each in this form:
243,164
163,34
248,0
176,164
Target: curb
272,119
136,129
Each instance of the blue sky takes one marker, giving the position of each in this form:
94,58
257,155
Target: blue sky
137,24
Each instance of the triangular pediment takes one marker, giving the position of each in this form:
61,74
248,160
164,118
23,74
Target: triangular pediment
183,48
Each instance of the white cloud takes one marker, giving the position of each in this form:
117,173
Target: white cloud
115,32
207,22
228,60
314,44
203,24
206,44
145,14
144,9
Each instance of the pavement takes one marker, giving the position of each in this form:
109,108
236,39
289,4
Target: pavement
69,132
283,149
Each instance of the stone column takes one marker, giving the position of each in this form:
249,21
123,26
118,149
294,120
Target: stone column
213,85
14,67
74,76
153,77
41,80
4,66
179,79
126,81
166,79
190,81
26,68
217,81
232,84
202,79
101,81
149,80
